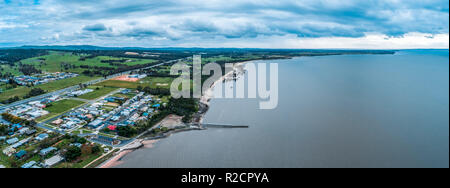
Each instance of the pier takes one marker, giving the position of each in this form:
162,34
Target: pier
214,125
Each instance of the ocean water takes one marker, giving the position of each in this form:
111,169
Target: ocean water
333,111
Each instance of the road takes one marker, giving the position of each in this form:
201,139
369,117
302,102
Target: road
73,88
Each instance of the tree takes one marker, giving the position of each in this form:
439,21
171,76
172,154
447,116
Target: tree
126,131
72,153
139,88
86,149
3,130
35,92
96,149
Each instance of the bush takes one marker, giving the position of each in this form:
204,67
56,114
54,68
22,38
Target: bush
72,153
126,131
3,130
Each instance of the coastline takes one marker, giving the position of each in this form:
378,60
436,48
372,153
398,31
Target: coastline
116,159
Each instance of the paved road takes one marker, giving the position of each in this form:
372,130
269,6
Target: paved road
73,88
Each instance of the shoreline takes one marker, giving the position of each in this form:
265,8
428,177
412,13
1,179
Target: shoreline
116,159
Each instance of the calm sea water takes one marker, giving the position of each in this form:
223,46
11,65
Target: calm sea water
334,111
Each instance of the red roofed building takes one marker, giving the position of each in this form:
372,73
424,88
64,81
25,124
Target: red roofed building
112,127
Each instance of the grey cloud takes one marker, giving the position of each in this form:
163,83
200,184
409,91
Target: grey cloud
180,20
95,27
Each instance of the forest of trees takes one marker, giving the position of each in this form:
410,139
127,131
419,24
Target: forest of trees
12,56
28,69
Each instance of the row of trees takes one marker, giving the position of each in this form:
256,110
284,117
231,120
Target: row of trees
11,100
35,92
17,120
154,91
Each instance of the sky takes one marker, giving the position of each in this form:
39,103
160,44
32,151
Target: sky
295,24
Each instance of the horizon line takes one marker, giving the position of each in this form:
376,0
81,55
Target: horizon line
173,47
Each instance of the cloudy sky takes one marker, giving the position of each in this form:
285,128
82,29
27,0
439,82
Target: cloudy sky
368,24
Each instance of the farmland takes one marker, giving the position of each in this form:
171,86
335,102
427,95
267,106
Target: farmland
69,62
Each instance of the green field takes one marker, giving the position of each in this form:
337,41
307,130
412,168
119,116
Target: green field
153,82
59,107
13,70
49,87
53,61
97,93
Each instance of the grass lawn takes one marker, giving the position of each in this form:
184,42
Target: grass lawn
102,91
85,131
126,96
49,87
83,162
60,107
103,159
4,160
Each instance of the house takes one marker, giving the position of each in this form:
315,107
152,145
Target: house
107,140
143,109
69,124
9,151
125,113
115,118
94,112
54,98
76,145
110,99
112,127
53,161
29,164
16,126
125,91
95,124
12,141
24,130
21,153
89,116
30,132
37,113
47,151
57,122
42,136
20,143
2,138
46,101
